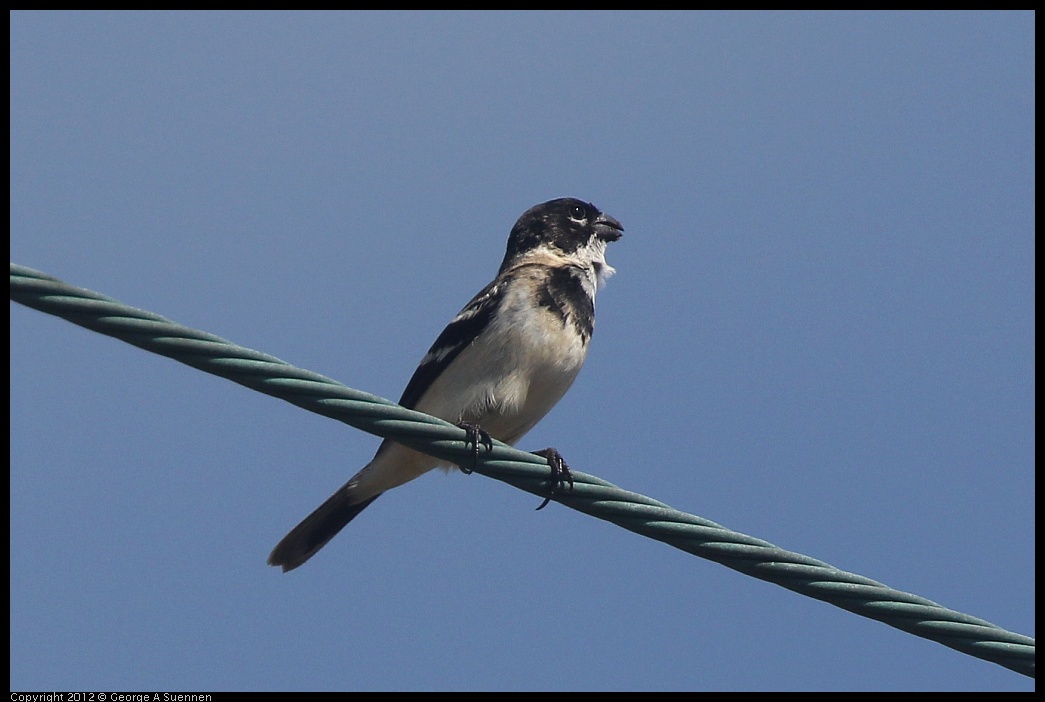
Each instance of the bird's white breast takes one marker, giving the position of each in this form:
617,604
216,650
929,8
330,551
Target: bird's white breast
513,373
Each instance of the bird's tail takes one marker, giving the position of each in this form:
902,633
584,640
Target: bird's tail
317,529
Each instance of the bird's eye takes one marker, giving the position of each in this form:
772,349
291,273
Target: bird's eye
577,213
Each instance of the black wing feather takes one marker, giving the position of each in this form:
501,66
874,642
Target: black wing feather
459,333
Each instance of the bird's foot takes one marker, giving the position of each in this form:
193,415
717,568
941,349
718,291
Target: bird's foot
561,476
476,437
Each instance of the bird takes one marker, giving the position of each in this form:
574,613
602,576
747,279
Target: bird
498,367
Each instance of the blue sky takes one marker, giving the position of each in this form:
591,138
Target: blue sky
821,334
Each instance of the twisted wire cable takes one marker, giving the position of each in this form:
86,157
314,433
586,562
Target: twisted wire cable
590,495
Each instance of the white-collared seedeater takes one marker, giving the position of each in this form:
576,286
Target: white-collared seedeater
499,366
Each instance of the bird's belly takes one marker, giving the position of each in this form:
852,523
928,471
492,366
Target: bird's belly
511,382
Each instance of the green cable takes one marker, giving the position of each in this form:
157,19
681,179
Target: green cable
590,495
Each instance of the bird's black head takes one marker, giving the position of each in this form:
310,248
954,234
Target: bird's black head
566,226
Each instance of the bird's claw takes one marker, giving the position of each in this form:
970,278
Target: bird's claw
561,475
476,437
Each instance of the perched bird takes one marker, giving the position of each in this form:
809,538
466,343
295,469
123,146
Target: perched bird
499,366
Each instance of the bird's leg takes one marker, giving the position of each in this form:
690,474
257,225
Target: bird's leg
476,437
560,473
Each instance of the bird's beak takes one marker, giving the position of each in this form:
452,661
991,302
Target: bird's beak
607,228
